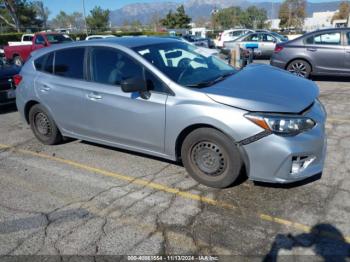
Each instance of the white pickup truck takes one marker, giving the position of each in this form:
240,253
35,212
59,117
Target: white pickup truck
26,39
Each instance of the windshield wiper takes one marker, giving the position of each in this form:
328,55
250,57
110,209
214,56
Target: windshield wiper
211,82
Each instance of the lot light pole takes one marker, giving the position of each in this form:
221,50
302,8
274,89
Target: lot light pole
84,13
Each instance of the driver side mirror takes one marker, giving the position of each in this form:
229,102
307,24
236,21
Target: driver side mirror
134,84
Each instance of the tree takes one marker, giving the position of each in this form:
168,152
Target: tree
42,12
344,11
179,19
227,17
19,13
64,20
292,13
253,17
98,18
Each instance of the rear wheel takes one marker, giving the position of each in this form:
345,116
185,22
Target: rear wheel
300,68
43,126
211,158
17,60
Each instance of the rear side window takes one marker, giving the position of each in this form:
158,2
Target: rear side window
348,37
70,62
39,63
45,63
325,39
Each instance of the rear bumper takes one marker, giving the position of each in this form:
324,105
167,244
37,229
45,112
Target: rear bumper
278,63
270,159
4,100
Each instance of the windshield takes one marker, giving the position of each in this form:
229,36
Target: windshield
186,64
58,39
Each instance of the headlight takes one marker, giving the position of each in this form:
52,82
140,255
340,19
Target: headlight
282,124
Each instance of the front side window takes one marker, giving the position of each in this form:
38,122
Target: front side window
186,64
325,39
268,38
111,66
70,62
348,37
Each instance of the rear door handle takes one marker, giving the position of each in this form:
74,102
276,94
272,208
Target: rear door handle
45,88
348,51
94,96
312,49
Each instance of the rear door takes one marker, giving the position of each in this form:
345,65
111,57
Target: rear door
347,52
327,52
59,86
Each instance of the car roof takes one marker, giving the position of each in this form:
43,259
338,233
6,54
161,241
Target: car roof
133,41
128,42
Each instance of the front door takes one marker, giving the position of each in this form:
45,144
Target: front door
347,52
122,118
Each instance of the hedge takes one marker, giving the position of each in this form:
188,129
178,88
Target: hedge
12,37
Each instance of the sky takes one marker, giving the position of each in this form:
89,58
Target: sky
70,6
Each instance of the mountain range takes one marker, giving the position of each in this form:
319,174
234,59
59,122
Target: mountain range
146,12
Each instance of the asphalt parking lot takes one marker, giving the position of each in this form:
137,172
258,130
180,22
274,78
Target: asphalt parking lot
80,198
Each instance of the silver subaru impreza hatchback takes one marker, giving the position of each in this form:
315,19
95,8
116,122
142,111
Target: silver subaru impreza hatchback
169,99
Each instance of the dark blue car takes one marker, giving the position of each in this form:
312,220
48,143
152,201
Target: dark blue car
7,87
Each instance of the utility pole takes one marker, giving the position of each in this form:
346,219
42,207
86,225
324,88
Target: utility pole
84,12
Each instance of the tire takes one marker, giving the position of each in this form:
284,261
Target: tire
43,126
300,68
211,158
17,60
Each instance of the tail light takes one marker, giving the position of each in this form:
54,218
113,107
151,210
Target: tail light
278,48
17,79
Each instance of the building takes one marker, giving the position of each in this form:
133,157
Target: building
319,20
274,24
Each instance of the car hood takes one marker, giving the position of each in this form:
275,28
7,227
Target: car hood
264,88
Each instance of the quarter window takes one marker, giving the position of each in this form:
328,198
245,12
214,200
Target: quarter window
70,62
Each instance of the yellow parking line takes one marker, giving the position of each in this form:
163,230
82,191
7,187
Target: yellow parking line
339,120
164,188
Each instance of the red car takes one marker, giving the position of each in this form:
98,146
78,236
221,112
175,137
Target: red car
19,54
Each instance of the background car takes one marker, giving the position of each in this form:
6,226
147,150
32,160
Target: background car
230,35
265,43
323,52
7,86
94,37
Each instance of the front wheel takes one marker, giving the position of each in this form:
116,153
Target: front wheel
300,68
43,126
211,158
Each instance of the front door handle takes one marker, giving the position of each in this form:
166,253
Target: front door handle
312,49
94,96
348,51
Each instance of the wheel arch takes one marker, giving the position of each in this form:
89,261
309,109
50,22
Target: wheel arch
27,108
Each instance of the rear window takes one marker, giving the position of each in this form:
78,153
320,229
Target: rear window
70,62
